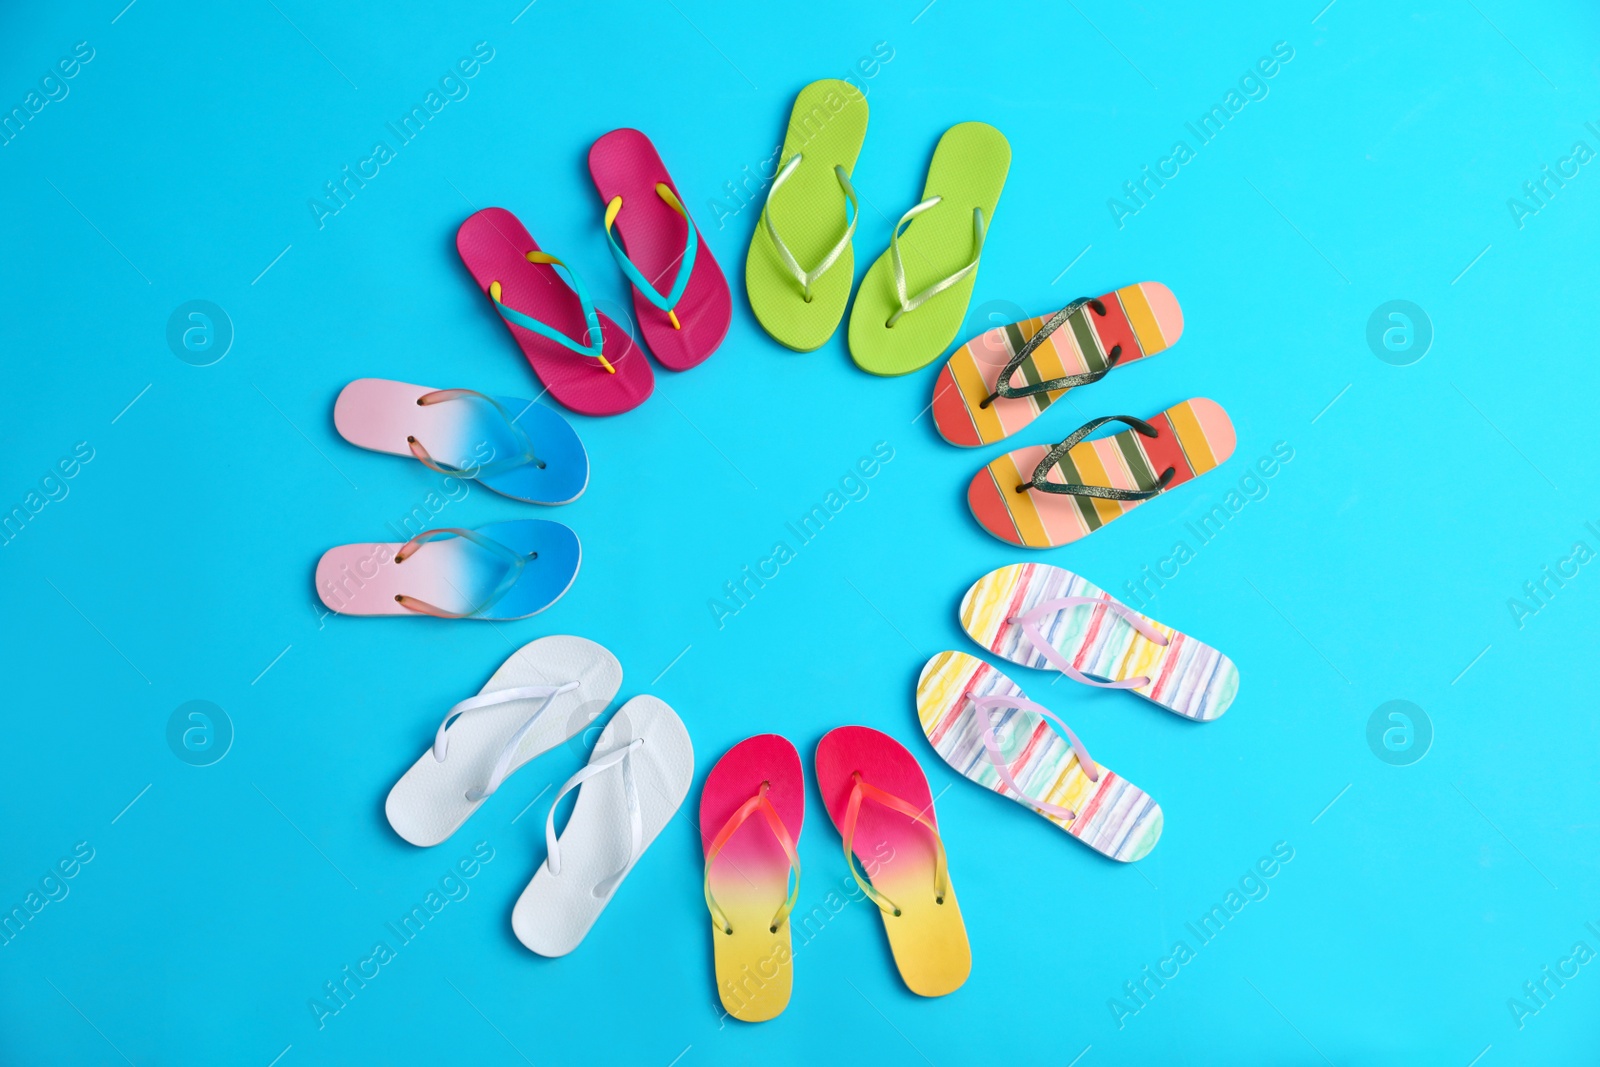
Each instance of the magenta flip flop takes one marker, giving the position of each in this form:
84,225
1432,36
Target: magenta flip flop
585,360
679,292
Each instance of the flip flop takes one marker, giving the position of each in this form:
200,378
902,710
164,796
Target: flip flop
516,447
879,800
978,720
548,691
586,361
1003,379
912,300
1048,618
635,780
679,294
801,265
1044,496
751,809
499,572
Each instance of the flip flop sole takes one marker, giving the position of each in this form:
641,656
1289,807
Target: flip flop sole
1111,816
1184,676
624,163
1192,438
928,938
429,802
556,911
453,573
967,172
750,876
494,245
1141,319
827,128
384,416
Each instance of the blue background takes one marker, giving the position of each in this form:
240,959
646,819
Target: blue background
1378,566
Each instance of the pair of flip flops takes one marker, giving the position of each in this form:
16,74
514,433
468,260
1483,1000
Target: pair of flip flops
548,692
1002,380
505,570
586,360
752,807
801,263
1047,618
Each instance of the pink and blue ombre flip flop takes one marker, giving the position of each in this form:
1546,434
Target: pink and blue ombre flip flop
751,809
878,798
679,292
499,572
586,361
516,447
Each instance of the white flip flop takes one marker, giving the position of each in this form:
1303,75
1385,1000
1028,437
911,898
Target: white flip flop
637,777
549,690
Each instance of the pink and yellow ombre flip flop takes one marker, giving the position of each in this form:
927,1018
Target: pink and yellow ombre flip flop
751,809
1000,381
587,362
981,724
1048,618
498,572
679,293
878,798
1044,496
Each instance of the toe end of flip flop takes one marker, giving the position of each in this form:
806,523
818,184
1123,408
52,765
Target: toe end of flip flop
950,414
1216,426
989,508
1139,845
1168,315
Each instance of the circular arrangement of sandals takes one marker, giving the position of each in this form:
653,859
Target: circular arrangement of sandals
906,312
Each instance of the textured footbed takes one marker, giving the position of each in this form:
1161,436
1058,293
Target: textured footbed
467,432
556,911
624,163
452,573
494,245
1112,815
750,876
827,127
429,802
928,938
967,172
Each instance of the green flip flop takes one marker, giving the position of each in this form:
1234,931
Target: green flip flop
912,300
800,266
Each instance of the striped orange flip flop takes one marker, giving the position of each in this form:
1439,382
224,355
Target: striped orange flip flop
1044,496
1003,379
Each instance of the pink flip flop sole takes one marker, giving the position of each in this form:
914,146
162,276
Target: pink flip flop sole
494,246
624,163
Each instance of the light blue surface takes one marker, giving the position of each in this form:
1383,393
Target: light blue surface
1376,565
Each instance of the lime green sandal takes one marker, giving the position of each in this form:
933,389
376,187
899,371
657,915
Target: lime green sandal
799,283
912,300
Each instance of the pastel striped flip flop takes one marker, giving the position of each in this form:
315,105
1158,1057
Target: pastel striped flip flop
879,800
516,447
1004,378
801,265
636,778
498,572
548,691
1048,618
752,806
679,294
586,361
980,722
910,303
1044,496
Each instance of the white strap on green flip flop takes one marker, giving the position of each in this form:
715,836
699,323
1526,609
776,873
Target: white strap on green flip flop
801,275
914,302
